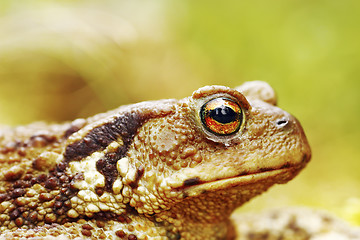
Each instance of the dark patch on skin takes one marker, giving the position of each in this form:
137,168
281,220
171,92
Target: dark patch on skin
99,191
123,219
131,210
100,216
14,214
51,183
286,165
107,167
123,126
41,178
86,230
18,192
74,127
132,237
120,233
41,140
4,197
22,184
87,226
13,175
133,184
62,166
191,181
70,131
42,163
139,173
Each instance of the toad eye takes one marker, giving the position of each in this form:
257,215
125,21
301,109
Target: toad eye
221,116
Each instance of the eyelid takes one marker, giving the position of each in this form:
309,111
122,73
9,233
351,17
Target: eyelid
215,90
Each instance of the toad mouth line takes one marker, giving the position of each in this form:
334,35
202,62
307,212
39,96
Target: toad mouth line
244,178
194,186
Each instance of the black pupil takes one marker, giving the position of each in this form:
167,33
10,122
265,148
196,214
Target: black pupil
223,114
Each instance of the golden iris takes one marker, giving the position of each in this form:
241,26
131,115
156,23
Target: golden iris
221,116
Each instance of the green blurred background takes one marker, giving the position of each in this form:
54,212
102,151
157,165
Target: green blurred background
61,60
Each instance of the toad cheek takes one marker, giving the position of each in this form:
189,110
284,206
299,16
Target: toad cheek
276,154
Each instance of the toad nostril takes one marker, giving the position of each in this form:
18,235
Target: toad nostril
282,122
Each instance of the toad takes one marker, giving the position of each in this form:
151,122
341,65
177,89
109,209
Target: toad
168,169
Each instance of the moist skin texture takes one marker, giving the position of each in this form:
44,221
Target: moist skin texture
146,171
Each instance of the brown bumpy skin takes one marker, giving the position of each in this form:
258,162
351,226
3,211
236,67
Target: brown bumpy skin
151,170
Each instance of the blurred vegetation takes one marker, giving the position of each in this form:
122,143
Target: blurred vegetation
65,59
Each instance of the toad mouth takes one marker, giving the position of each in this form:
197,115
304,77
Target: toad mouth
194,186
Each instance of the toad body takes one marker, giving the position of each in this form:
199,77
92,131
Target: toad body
168,169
